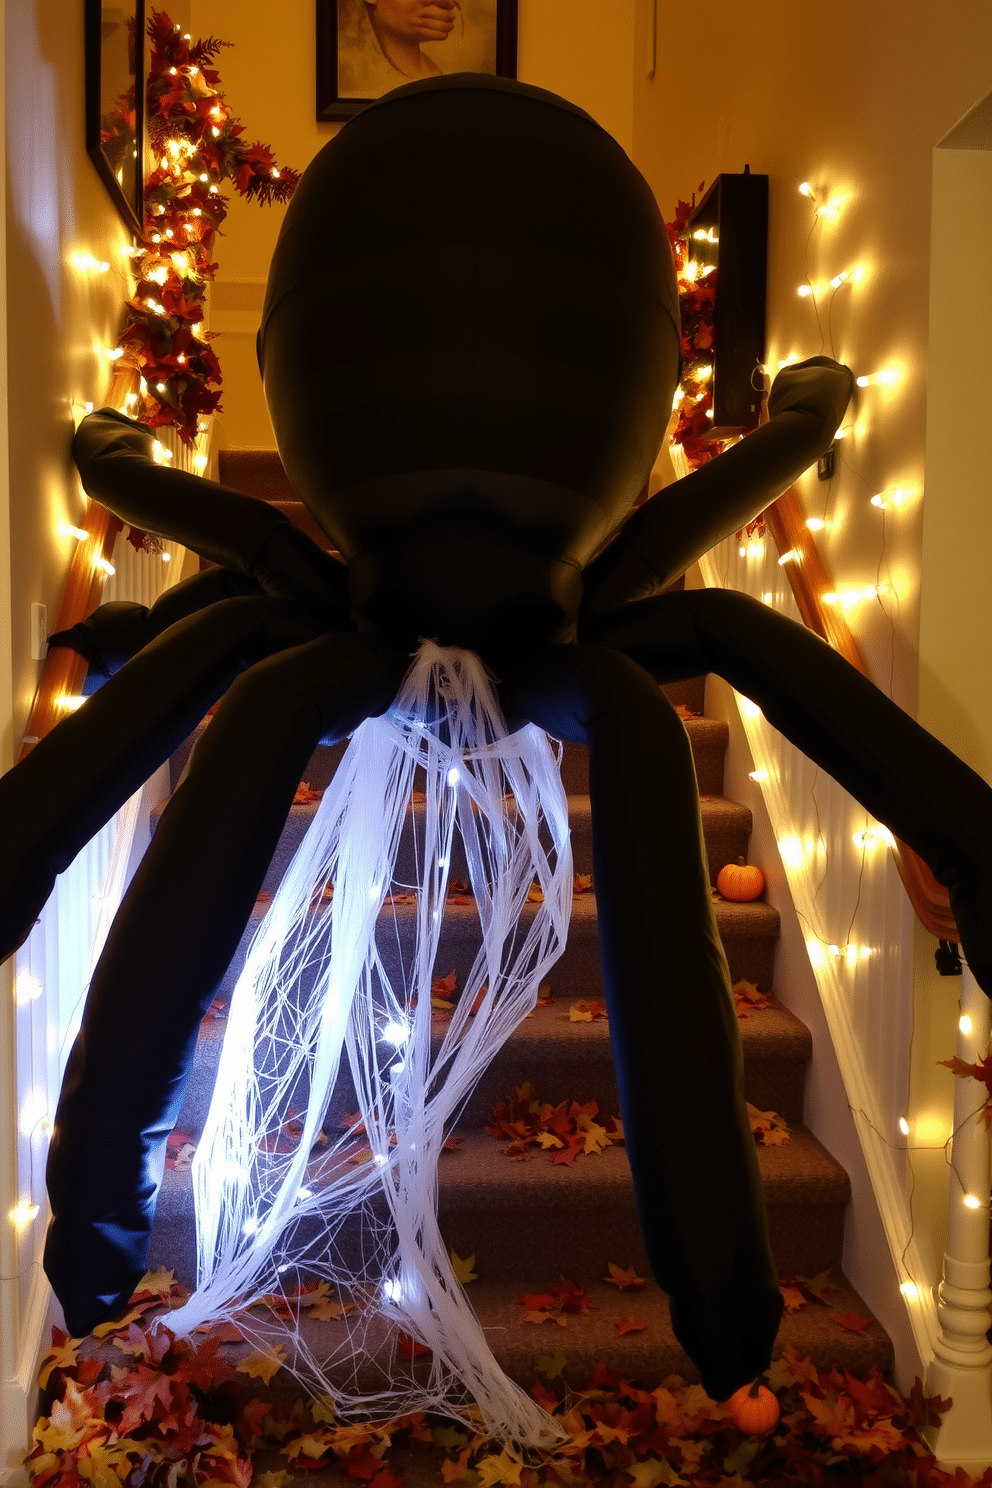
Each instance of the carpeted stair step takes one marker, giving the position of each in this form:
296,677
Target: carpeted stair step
748,931
645,1356
726,827
707,737
566,1060
531,1218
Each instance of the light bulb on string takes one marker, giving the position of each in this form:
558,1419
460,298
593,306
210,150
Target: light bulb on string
883,378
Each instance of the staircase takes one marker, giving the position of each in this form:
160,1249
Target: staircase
530,1223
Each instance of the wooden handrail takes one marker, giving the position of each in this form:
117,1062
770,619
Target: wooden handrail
810,580
65,670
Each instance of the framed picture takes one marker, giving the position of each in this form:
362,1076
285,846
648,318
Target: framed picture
115,98
368,47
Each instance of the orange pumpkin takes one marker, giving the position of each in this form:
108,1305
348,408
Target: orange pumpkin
740,881
754,1410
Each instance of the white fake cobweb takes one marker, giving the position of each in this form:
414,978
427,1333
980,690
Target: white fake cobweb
278,1213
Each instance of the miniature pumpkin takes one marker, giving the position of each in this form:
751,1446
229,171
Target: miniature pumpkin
754,1410
740,881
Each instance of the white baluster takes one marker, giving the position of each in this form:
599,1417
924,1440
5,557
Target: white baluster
962,1363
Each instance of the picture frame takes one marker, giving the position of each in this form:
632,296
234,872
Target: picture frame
114,54
360,56
729,232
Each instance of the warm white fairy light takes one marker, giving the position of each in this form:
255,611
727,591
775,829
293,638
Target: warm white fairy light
815,524
33,1110
113,353
791,851
104,565
904,1126
87,264
971,1202
67,530
792,556
758,775
27,988
910,1289
964,1023
200,461
22,1214
885,377
805,188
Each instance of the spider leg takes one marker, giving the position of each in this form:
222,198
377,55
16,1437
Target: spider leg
673,1026
899,772
169,946
73,781
116,631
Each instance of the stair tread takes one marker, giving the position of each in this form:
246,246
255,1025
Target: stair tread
645,1357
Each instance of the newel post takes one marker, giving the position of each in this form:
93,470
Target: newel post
962,1362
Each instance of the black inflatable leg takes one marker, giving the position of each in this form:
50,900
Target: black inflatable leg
169,946
673,1026
117,631
71,783
908,780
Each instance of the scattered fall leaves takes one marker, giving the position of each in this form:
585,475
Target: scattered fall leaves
183,1413
564,1131
623,1277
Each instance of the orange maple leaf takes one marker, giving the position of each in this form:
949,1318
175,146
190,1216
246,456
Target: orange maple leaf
623,1277
630,1325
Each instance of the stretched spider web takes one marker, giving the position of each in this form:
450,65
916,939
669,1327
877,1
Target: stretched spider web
298,1203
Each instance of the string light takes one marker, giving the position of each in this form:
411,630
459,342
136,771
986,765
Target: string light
70,701
904,1128
22,1214
888,499
105,566
964,1023
757,774
88,264
815,524
792,556
200,461
67,530
27,988
884,378
113,353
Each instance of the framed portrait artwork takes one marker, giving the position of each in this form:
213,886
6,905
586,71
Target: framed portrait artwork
368,47
115,95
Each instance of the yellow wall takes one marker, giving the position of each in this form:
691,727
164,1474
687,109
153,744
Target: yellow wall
852,99
268,77
57,316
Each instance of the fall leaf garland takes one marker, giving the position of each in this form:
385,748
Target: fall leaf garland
195,144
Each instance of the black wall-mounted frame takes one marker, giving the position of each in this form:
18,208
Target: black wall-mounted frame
330,103
115,101
732,219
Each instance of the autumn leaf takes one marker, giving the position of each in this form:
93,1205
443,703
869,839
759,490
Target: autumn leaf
154,1284
852,1321
820,1285
122,1323
794,1298
272,1480
747,998
629,1325
501,1469
62,1355
623,1277
536,894
463,1269
582,883
262,1365
587,1012
331,1311
410,1348
551,1365
768,1126
652,1472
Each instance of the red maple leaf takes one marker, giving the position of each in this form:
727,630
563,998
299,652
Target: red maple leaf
850,1320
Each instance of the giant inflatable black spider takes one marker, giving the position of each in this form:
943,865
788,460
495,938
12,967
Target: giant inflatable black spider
470,344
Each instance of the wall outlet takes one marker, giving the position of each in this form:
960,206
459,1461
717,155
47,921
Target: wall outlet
39,632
